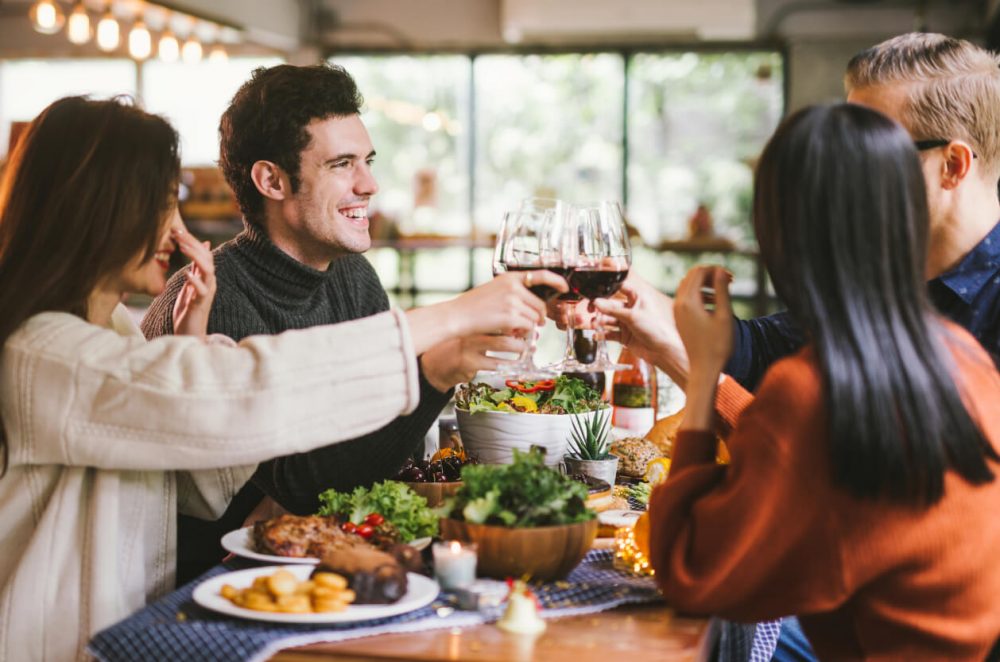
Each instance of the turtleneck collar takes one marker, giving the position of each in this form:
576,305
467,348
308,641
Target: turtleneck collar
278,271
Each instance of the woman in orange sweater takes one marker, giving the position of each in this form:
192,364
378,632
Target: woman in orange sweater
861,493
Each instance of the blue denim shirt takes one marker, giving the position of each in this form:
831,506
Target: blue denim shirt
968,294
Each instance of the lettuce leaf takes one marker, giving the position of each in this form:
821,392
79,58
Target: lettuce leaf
395,501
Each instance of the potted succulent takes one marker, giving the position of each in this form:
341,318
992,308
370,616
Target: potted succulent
590,446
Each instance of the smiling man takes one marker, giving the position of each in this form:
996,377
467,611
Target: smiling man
299,159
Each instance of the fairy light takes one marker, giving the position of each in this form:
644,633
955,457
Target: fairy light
191,51
140,43
47,17
108,35
168,49
628,556
78,25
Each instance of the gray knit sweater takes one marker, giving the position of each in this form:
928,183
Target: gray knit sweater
262,290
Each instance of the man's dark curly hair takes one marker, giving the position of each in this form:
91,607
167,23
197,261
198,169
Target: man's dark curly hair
267,119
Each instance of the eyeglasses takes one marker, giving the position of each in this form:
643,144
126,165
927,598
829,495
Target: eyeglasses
934,143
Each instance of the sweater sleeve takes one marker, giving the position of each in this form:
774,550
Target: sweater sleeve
159,318
758,343
750,541
79,395
295,481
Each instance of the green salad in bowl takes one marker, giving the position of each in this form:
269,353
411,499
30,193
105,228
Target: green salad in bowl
527,519
519,415
562,395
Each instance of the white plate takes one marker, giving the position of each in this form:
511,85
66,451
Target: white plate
240,543
421,592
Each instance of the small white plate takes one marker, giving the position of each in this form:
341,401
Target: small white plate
421,592
240,543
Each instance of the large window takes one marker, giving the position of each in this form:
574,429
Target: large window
696,125
546,125
28,86
416,110
193,98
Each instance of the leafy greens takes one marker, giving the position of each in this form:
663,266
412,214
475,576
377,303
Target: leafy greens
523,494
396,502
569,396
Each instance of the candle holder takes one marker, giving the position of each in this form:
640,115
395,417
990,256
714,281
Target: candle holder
454,564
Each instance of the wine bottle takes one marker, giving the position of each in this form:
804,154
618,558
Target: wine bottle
633,395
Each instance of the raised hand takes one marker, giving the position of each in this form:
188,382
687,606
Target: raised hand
707,333
645,320
503,306
194,302
458,360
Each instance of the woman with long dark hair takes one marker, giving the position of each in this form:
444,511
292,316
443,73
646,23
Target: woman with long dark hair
861,493
106,436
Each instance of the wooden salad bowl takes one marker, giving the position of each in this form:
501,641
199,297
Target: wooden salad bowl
435,493
543,553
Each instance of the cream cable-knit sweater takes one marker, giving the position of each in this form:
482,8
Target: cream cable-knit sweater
109,435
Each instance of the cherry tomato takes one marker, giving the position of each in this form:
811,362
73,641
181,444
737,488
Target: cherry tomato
349,527
366,531
374,519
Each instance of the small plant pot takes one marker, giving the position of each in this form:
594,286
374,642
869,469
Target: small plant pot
605,470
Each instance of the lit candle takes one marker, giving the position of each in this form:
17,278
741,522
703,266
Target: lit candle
454,563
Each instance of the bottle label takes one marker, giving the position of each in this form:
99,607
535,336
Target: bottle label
631,395
636,420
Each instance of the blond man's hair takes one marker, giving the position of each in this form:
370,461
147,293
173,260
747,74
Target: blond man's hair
952,89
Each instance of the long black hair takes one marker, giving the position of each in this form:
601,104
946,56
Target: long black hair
840,212
88,187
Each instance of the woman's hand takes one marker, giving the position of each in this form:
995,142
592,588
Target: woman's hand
194,302
645,320
503,306
707,334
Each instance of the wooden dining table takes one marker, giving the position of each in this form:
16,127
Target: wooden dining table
629,632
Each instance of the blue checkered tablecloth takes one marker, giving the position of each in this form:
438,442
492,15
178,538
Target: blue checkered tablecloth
175,628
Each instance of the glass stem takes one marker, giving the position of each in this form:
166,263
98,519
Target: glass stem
570,354
601,357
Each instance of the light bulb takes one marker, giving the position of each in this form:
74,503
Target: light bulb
140,44
47,16
218,55
191,52
78,26
108,35
168,49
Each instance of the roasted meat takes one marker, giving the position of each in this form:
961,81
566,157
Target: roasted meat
294,535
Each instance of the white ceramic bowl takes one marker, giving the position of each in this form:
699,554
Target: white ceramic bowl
492,436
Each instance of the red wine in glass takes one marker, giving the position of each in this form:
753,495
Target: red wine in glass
596,283
543,292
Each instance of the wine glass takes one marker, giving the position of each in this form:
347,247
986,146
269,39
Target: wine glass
569,247
525,243
603,258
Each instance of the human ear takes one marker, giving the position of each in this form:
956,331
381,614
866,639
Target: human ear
957,163
270,180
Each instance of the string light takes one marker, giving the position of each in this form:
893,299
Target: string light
140,43
628,556
48,17
78,25
218,55
168,49
191,51
108,36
